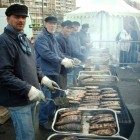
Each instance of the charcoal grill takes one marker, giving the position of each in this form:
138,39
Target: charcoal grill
125,119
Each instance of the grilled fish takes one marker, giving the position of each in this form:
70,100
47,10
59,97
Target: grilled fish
69,119
104,132
70,127
103,120
76,112
102,126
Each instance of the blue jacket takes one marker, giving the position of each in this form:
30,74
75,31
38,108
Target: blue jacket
48,53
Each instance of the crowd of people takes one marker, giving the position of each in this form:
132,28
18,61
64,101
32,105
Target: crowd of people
32,71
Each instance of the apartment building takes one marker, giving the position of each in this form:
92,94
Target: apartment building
39,9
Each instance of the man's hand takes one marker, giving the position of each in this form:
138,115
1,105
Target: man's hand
67,63
35,94
49,83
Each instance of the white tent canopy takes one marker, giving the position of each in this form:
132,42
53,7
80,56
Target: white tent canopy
105,18
115,7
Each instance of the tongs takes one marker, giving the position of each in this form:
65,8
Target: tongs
77,63
58,88
60,100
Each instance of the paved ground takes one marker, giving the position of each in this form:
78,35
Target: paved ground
130,90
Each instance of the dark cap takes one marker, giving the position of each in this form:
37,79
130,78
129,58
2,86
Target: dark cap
67,23
17,9
51,19
76,23
85,26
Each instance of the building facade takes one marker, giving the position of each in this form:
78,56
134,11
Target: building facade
39,9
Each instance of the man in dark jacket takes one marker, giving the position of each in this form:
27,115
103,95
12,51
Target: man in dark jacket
75,41
67,49
19,75
85,38
50,59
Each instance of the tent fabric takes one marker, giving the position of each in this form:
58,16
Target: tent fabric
115,7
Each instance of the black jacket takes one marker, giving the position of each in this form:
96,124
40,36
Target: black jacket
18,71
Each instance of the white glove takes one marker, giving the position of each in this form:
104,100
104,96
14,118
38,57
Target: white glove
67,63
35,94
49,83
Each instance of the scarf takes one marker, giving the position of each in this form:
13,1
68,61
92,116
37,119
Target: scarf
22,39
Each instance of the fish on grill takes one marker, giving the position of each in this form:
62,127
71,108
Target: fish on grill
92,97
92,87
76,91
93,90
110,95
75,112
109,91
70,127
69,119
104,132
109,103
70,138
100,118
90,100
92,93
102,126
66,110
111,99
75,96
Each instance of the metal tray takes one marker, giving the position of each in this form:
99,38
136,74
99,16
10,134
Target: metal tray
86,113
62,136
97,80
98,72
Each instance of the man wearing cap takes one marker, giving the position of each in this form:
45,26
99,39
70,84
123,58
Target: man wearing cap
84,37
75,41
68,50
19,75
50,59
